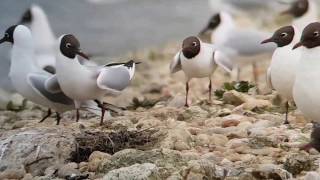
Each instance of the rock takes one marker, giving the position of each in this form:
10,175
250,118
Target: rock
202,169
50,171
229,123
12,174
202,140
28,177
178,134
233,97
98,155
218,139
96,159
297,162
169,161
256,103
36,148
271,171
312,176
180,146
193,113
178,101
83,167
134,172
259,142
262,124
69,169
194,131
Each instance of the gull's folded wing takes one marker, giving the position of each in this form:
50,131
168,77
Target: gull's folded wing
37,82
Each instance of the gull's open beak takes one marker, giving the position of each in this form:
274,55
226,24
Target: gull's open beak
299,44
2,40
82,54
267,41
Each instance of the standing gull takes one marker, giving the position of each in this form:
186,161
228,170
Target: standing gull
83,83
198,60
307,84
241,45
282,70
31,81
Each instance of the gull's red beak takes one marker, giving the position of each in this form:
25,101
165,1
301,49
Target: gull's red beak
82,54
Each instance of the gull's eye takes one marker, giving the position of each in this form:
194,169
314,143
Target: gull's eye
284,35
194,44
68,45
316,34
6,35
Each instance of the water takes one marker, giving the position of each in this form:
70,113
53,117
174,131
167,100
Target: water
111,27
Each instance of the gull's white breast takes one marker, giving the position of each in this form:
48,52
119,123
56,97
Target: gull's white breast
307,85
200,66
283,70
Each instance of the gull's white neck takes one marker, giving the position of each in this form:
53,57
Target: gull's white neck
65,64
22,54
310,61
310,16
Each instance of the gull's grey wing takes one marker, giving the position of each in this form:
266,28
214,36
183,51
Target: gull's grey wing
114,79
247,42
269,82
52,85
222,60
175,65
37,82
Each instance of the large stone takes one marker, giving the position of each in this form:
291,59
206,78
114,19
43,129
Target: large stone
312,176
271,171
168,161
298,162
35,149
96,159
135,172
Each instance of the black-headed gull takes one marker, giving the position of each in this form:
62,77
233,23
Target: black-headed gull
82,83
198,60
282,71
306,84
31,81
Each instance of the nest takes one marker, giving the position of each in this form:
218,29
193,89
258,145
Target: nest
112,142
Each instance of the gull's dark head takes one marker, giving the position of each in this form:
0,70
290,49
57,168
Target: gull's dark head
70,47
8,35
191,47
282,37
26,17
310,36
298,8
213,23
